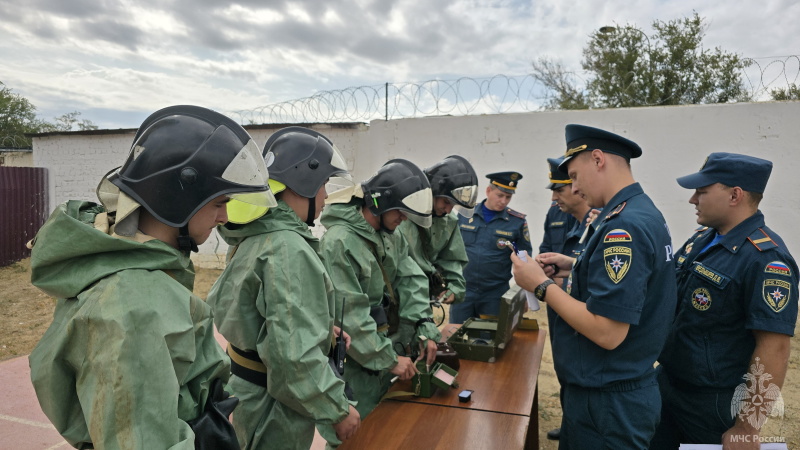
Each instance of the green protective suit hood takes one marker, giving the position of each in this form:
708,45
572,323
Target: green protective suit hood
130,355
63,268
233,234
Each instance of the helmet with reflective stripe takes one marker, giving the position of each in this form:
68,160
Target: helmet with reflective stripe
455,179
400,185
185,156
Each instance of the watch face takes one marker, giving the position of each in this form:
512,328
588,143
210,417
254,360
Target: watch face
542,289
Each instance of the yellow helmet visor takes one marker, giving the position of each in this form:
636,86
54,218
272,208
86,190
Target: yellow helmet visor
247,207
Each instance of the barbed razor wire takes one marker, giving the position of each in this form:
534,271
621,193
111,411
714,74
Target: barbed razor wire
498,94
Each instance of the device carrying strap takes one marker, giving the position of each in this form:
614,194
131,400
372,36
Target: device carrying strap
393,308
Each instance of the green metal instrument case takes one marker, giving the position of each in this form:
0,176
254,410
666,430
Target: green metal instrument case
486,339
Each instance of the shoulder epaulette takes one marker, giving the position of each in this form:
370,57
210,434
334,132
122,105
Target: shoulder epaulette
697,233
516,213
761,240
616,210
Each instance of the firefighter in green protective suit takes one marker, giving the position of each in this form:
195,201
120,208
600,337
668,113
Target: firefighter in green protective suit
130,360
274,303
439,250
371,269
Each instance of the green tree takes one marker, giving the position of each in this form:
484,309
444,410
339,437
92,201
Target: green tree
563,92
68,122
17,117
791,92
629,68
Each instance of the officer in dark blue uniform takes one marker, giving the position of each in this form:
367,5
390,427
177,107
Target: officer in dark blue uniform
737,308
618,302
557,223
564,229
485,235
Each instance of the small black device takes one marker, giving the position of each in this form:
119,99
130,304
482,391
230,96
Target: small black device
465,396
340,349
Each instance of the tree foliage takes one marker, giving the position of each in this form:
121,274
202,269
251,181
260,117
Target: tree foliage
563,91
629,68
69,122
791,92
18,118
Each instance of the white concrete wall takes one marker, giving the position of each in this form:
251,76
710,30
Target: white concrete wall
10,158
77,162
675,141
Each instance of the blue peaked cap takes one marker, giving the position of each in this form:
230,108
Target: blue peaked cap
581,137
731,169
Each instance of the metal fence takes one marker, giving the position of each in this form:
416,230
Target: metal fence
23,210
468,96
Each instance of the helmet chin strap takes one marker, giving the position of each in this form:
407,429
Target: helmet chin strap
312,209
186,243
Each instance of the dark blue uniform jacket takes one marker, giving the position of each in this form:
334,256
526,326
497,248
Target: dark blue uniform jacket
746,281
489,268
625,273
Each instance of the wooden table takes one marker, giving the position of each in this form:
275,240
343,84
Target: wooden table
503,413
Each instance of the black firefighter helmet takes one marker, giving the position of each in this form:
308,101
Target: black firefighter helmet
455,179
303,160
184,156
400,185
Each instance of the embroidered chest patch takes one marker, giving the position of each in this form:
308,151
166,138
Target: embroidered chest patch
709,274
701,299
618,261
777,293
501,243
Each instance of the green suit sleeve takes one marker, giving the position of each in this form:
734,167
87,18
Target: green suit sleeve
411,287
452,259
355,276
297,300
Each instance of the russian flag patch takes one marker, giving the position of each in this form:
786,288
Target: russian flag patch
618,235
778,267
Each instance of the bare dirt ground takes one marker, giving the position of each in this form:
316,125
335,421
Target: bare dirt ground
26,313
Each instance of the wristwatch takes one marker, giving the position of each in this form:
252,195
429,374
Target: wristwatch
541,289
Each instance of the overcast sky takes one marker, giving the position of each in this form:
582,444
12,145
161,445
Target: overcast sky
116,61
